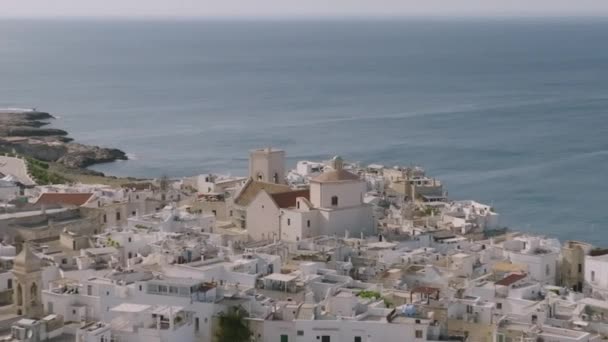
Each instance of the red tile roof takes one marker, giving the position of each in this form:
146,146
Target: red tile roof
511,279
75,199
288,199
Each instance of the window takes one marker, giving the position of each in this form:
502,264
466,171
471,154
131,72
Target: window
418,333
580,268
130,255
288,222
358,339
129,239
499,306
64,261
196,324
50,307
73,312
300,332
133,213
308,223
500,338
118,216
9,283
325,338
284,338
230,213
334,201
214,212
105,218
89,290
592,275
469,309
547,270
298,204
140,288
172,289
276,178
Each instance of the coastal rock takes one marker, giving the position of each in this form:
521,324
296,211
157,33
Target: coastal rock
48,152
20,132
80,156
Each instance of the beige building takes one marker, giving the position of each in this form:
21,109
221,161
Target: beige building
267,174
27,273
243,207
572,267
264,213
267,165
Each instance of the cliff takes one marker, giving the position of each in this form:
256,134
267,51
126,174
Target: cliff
24,132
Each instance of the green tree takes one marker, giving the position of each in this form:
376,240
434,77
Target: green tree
232,326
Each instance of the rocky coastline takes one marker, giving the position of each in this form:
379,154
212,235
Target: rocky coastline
24,132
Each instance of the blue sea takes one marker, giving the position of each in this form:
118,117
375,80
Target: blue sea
511,112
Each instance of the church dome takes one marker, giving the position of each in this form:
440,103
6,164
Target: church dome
336,176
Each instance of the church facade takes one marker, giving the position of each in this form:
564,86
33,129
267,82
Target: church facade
335,207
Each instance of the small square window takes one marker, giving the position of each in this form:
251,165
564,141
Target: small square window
499,306
300,332
418,333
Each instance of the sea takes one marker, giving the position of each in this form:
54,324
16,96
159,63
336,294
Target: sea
512,112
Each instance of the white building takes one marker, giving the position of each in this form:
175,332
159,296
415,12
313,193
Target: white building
540,255
596,275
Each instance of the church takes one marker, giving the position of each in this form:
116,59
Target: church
269,209
334,207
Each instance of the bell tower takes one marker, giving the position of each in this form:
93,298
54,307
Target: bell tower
267,165
27,272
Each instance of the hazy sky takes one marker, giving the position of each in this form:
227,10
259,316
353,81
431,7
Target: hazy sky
274,8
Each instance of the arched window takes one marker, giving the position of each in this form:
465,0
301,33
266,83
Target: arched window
334,201
19,295
34,292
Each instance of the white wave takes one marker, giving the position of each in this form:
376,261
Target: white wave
132,156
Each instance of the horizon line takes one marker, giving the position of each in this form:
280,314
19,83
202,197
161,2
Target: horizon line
307,17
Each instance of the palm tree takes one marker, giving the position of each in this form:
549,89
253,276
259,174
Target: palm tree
233,327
